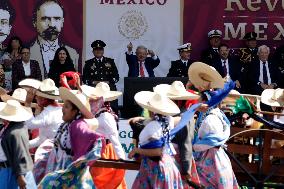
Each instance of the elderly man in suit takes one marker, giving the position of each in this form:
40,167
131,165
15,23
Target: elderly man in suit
48,19
179,68
227,65
263,74
140,65
25,68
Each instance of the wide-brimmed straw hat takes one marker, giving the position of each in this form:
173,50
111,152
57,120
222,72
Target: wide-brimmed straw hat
101,89
201,74
156,102
175,91
30,83
47,89
12,110
79,100
19,94
273,97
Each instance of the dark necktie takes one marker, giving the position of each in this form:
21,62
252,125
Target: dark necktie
225,68
264,70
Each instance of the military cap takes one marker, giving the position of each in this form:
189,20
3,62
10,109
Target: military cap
185,47
214,33
98,44
250,36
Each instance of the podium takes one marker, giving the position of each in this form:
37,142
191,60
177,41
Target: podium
132,85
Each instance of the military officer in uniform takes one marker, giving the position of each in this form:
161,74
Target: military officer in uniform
246,56
179,68
210,54
101,68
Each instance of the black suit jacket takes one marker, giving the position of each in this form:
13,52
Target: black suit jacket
234,68
209,55
133,65
254,72
18,72
179,69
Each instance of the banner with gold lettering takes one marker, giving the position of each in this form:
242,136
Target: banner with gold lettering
155,24
234,18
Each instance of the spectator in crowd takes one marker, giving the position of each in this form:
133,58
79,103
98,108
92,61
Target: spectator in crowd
61,63
180,67
246,56
140,65
48,20
211,53
101,68
227,65
263,74
278,58
7,16
15,161
12,54
25,68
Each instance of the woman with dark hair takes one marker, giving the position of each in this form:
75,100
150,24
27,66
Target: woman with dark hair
61,63
12,53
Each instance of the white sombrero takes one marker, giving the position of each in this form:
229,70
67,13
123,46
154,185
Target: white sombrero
101,89
156,102
201,74
30,83
79,100
47,89
273,97
175,91
19,94
12,110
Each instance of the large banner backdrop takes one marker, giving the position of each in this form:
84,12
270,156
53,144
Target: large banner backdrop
156,26
70,27
234,18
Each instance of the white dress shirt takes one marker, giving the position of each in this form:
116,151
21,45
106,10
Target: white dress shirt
227,66
108,128
144,68
48,51
27,68
48,121
184,62
261,72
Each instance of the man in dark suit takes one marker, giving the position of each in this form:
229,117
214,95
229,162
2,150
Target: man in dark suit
210,54
101,68
25,68
227,65
246,56
179,68
140,65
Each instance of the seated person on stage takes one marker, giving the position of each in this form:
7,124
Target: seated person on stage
180,67
140,65
227,65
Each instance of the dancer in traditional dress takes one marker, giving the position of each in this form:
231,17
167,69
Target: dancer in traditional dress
158,169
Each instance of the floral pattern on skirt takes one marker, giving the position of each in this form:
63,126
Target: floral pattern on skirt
41,158
215,170
162,174
77,174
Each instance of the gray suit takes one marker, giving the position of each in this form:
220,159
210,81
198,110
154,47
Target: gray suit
36,55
